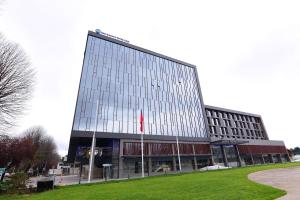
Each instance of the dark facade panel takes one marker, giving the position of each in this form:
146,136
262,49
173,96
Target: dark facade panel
89,134
257,149
164,149
161,148
134,148
202,149
186,149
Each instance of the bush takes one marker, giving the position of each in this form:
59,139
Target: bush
18,183
3,187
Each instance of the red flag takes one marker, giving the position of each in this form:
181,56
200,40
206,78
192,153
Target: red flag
141,122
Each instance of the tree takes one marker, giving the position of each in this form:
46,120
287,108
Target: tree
46,155
16,82
32,149
16,151
295,151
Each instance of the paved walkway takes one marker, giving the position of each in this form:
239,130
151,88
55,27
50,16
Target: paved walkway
287,179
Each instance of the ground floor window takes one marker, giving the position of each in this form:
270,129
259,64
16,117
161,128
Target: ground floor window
217,154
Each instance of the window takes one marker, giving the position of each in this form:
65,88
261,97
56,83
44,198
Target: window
216,121
214,114
208,112
225,115
224,130
212,129
234,131
241,132
236,123
221,114
126,80
208,120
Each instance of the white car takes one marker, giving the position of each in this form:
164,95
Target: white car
214,167
296,158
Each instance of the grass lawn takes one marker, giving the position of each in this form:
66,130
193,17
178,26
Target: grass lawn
229,184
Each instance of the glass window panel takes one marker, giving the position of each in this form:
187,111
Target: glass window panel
166,91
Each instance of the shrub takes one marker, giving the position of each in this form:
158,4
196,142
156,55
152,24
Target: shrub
3,187
18,183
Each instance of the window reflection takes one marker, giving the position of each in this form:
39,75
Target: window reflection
125,81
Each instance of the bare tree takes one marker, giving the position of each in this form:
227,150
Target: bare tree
15,151
36,133
46,155
32,149
16,82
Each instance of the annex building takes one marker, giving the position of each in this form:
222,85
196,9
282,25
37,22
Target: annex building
125,79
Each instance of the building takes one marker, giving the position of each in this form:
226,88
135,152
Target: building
125,79
239,138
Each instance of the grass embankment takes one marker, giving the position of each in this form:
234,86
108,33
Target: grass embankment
213,185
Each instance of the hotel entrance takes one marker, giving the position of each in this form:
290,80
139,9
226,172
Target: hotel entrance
226,153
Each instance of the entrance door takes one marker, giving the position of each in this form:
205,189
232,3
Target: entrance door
231,155
217,154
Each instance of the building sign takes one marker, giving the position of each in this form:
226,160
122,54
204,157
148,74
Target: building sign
98,31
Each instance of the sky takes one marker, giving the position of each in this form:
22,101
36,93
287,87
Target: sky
246,53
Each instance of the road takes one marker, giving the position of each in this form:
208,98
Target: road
59,180
63,180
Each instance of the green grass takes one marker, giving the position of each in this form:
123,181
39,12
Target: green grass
231,184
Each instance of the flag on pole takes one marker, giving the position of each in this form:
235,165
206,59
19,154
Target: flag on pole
141,122
142,140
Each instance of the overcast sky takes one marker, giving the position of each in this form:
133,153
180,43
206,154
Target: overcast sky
247,53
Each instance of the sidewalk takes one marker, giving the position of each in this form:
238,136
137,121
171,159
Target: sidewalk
287,179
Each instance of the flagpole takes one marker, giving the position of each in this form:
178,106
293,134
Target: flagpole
142,141
178,153
91,164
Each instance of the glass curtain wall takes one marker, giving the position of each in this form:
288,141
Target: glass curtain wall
126,81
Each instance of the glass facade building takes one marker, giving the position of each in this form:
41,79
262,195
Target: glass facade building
125,80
